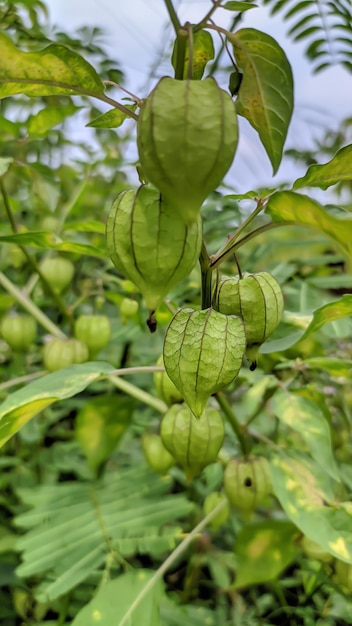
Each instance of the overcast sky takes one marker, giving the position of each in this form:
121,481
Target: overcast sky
136,31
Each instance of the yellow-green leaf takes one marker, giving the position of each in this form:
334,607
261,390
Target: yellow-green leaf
338,169
47,118
288,206
203,51
238,6
54,242
265,96
55,69
263,550
22,405
114,599
100,426
112,118
310,324
305,417
306,496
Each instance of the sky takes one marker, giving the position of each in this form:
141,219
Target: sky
137,31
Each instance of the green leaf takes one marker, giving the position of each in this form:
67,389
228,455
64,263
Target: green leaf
49,117
100,426
305,417
336,170
87,225
263,551
203,51
113,600
53,242
187,615
305,494
293,207
335,367
53,70
22,405
310,324
265,96
5,163
238,6
73,528
112,118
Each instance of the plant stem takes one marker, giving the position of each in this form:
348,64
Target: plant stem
229,245
139,394
181,42
30,307
8,207
203,22
206,277
190,56
21,379
217,259
231,417
170,560
173,15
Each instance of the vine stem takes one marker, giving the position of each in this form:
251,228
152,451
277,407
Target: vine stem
173,15
137,393
31,308
119,372
229,245
203,22
170,560
79,91
21,379
217,259
206,277
232,419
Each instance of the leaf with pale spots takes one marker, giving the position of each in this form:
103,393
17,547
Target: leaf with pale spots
263,551
305,493
105,610
53,70
305,417
203,353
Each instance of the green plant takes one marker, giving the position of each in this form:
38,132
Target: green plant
59,353
19,331
94,331
87,530
58,272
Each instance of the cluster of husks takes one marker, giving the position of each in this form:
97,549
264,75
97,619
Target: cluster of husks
187,138
203,350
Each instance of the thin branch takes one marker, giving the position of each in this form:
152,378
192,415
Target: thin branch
170,561
78,91
30,307
216,261
232,419
138,393
173,15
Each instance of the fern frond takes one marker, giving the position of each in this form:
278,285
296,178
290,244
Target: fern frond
74,529
320,23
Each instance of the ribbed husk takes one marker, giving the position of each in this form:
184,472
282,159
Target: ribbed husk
247,482
256,298
193,443
149,244
187,137
203,352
